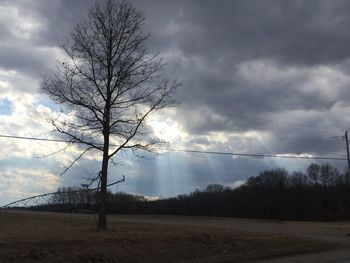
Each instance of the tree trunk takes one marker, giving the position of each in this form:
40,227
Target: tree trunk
102,217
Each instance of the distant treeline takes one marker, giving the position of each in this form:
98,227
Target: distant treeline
322,193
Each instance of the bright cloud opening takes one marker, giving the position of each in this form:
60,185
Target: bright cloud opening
167,130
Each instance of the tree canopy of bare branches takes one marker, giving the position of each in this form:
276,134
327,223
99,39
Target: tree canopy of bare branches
108,85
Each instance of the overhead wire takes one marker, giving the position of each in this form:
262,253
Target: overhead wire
253,155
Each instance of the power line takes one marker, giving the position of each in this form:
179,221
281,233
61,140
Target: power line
257,155
253,155
32,138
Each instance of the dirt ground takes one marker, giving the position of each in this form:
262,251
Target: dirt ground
55,237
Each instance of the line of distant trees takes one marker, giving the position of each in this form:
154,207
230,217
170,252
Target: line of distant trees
322,193
70,199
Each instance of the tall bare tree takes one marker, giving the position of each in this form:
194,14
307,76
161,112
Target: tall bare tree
108,86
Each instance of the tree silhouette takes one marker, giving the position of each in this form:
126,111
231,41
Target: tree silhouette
108,86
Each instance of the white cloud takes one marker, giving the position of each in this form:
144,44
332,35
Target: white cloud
23,182
167,129
238,183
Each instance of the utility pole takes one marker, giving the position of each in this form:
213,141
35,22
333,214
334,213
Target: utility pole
347,151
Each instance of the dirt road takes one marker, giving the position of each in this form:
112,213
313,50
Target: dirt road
332,256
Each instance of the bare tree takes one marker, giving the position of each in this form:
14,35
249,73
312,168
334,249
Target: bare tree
313,172
324,174
298,179
328,175
108,86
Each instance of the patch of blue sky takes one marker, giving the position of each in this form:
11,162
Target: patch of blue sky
48,103
5,107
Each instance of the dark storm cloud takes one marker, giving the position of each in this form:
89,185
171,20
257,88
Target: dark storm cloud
302,32
61,16
284,48
57,18
31,61
292,32
222,33
34,52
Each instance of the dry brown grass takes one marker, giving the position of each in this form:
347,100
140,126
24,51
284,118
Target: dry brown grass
49,237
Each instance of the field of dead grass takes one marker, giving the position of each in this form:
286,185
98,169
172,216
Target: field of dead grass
54,237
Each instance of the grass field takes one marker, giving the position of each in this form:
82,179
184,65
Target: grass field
50,237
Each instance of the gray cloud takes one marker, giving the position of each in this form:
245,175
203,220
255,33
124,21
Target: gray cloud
299,32
277,69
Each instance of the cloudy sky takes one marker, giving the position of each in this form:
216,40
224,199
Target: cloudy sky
266,77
